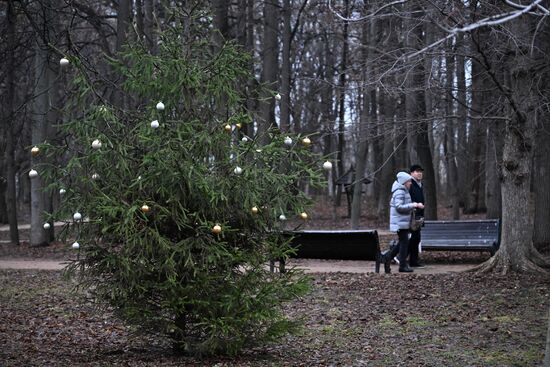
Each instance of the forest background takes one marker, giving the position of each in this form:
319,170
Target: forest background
460,87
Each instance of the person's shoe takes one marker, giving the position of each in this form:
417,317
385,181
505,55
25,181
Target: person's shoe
405,270
419,266
387,266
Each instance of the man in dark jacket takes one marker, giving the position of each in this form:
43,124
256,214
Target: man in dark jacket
417,195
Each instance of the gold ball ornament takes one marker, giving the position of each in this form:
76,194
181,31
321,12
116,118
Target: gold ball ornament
303,215
145,208
35,151
227,128
238,125
306,142
216,229
254,210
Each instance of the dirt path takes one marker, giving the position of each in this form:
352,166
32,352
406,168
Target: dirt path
309,266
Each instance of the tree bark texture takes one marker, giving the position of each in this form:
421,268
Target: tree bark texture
9,122
269,66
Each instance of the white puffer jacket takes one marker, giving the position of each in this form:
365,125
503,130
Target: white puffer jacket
401,206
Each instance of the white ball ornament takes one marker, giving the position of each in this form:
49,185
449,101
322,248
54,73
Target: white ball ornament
288,141
63,62
160,106
282,217
244,139
327,166
46,226
155,124
95,177
96,144
238,170
77,216
33,173
278,97
75,245
62,191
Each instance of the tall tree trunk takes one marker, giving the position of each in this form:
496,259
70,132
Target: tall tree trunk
148,25
11,197
40,125
286,68
462,112
517,253
387,174
541,178
269,67
493,161
124,13
450,145
342,102
220,21
476,143
417,115
362,150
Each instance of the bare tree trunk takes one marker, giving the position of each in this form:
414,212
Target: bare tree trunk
11,197
450,146
541,178
341,102
40,125
269,66
148,25
493,161
124,12
476,141
546,362
286,68
387,174
362,150
462,112
517,253
220,21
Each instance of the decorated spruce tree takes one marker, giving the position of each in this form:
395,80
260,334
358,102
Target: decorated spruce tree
173,210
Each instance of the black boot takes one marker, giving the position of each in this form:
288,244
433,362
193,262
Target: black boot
389,255
403,253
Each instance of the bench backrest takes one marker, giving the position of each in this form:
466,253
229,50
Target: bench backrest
474,233
340,245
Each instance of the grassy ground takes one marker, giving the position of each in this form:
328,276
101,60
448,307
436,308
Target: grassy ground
349,319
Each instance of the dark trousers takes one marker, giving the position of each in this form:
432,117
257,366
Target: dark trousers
414,241
403,235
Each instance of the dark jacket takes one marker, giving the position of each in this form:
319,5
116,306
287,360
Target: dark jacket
417,196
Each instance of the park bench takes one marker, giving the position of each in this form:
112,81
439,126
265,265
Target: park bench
335,244
461,235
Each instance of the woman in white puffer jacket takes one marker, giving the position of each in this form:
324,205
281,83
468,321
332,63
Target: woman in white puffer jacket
401,206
